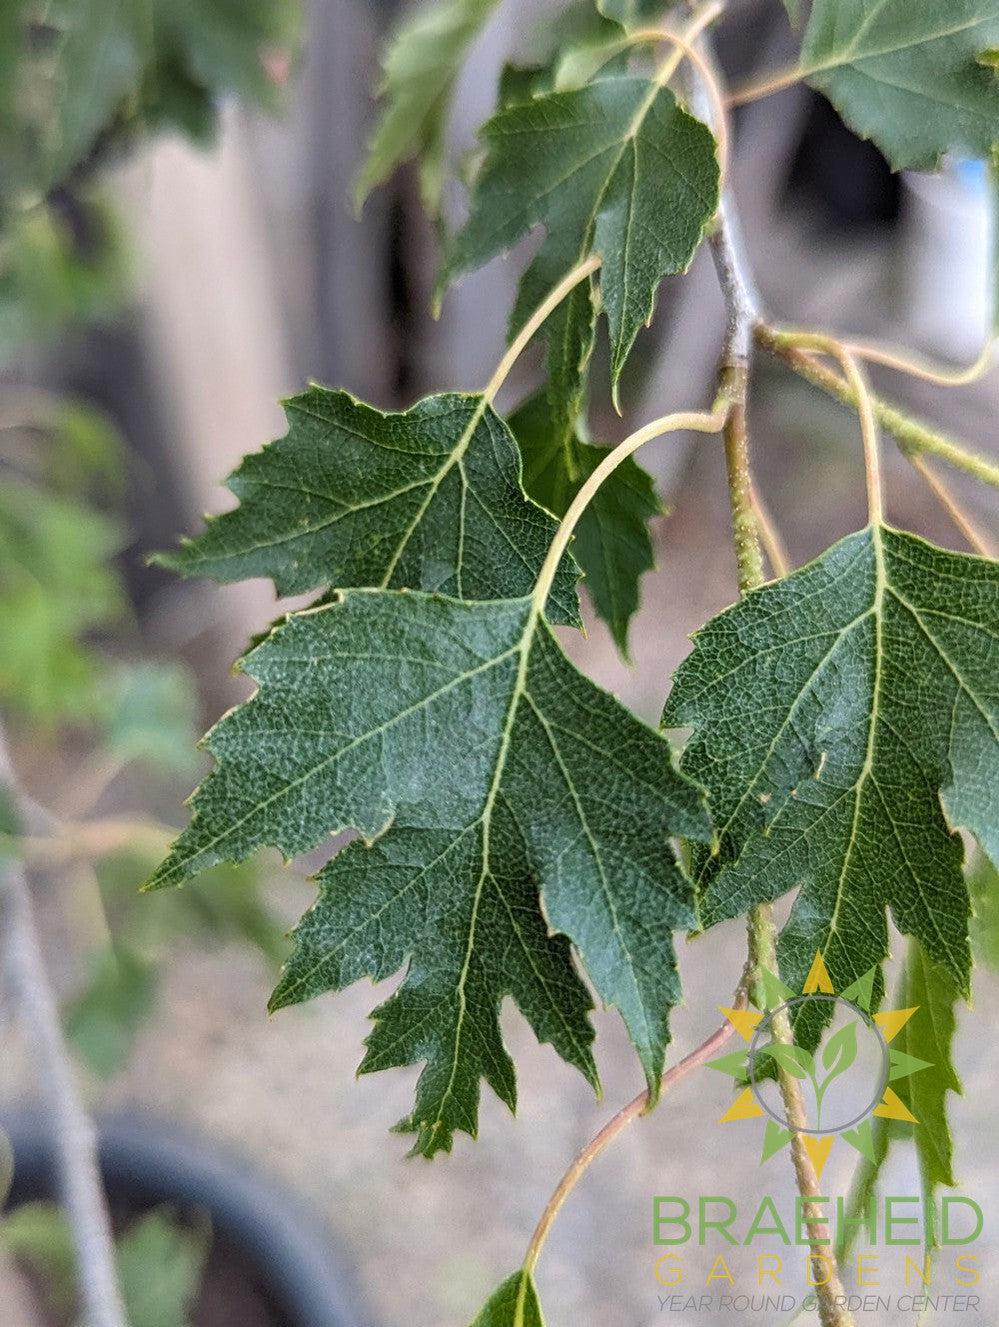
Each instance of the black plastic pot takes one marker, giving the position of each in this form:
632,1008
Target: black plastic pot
272,1262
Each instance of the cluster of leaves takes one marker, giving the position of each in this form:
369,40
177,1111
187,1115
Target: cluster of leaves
514,820
803,698
81,83
160,1263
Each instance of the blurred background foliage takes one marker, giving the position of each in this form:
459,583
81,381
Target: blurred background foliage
84,84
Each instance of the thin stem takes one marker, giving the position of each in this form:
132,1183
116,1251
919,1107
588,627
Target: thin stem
829,1290
913,435
780,563
861,392
976,539
917,367
696,421
681,44
620,1122
716,117
73,1136
741,305
537,318
745,529
765,87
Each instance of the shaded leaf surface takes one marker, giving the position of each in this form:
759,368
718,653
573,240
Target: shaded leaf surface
612,544
481,768
616,168
833,710
907,75
426,499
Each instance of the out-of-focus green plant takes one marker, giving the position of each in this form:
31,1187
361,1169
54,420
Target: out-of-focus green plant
160,1263
82,83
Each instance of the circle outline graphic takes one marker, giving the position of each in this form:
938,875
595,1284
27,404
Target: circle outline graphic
767,1021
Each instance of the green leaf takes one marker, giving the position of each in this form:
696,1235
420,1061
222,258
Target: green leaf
907,75
928,1037
81,75
983,884
420,68
612,544
840,1051
59,271
56,584
225,48
480,769
428,499
222,905
160,1265
38,1236
102,1022
514,1304
833,711
616,168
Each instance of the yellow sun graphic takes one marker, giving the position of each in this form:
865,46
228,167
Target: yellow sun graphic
838,1056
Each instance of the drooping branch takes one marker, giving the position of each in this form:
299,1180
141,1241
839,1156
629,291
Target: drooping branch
73,1136
742,315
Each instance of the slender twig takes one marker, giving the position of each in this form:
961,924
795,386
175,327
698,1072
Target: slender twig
829,1288
765,87
864,400
777,555
976,539
912,435
743,314
73,1135
620,1122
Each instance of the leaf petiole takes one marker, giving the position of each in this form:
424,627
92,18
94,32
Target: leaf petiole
864,402
547,306
696,421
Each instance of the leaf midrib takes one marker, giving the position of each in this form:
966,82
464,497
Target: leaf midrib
849,54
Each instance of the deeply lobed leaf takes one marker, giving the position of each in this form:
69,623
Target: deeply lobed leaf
482,770
928,1036
426,499
617,168
838,714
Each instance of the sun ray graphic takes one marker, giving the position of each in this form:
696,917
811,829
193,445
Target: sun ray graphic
751,1025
